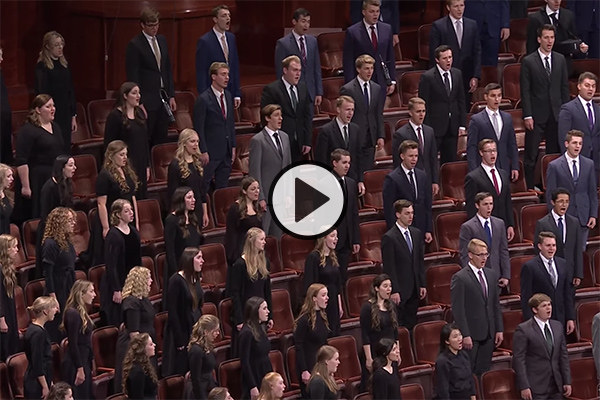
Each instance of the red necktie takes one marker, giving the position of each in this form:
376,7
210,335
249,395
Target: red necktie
493,171
223,106
302,50
373,37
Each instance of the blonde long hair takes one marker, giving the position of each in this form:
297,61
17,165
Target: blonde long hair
136,283
308,307
44,54
266,387
256,262
113,148
324,354
202,328
320,248
7,264
75,301
184,136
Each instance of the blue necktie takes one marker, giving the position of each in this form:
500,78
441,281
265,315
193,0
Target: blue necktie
575,172
488,231
408,240
561,229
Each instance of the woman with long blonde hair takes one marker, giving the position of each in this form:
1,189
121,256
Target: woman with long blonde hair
9,329
137,314
201,357
6,204
139,376
272,387
76,367
53,77
322,385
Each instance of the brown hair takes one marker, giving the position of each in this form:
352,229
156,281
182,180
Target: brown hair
242,200
537,299
573,133
290,59
39,101
218,393
362,60
75,301
320,248
546,235
215,67
215,11
407,145
7,264
121,103
136,354
401,204
149,15
267,111
116,209
389,306
337,154
367,3
587,75
111,150
482,195
44,55
492,86
56,227
324,354
308,307
343,98
546,27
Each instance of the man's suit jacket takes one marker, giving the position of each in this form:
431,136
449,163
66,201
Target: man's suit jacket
540,96
467,56
443,111
358,42
208,51
217,134
480,127
478,181
311,70
496,15
536,279
330,138
405,268
389,13
264,159
534,366
574,116
477,317
141,68
584,200
428,160
369,119
499,259
570,251
396,186
348,229
296,123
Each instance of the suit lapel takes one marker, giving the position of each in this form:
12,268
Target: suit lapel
216,102
294,44
487,180
584,115
452,35
440,80
538,333
567,171
544,271
475,281
145,47
339,138
283,89
269,141
402,240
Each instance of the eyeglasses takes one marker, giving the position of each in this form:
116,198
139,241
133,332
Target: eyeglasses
483,255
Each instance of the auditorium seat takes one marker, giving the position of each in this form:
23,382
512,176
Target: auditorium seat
331,48
290,365
530,214
160,321
349,369
412,391
162,155
517,41
583,65
357,292
82,141
22,264
281,312
438,283
409,85
511,319
585,315
546,160
250,106
411,372
452,181
448,226
185,110
171,387
155,294
515,272
369,256
423,42
331,91
29,229
499,385
98,111
294,252
5,391
104,345
511,82
84,179
150,221
33,290
596,267
214,270
242,153
81,233
584,379
117,396
95,276
373,180
23,318
17,365
222,200
489,74
225,310
230,376
276,359
402,64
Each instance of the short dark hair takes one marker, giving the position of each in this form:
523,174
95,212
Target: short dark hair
546,235
337,155
401,204
545,27
300,12
482,195
440,49
492,86
573,133
537,299
447,331
587,75
560,190
215,11
267,111
406,145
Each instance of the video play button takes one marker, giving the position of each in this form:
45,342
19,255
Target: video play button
306,200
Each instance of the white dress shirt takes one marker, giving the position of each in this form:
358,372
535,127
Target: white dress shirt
564,222
543,57
552,266
542,325
454,21
220,37
476,272
341,125
297,38
287,89
151,40
218,96
488,171
362,87
584,103
368,28
270,132
490,114
415,126
442,72
406,171
483,221
403,232
550,12
570,164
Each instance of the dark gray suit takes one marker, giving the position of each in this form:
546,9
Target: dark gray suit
331,138
499,259
536,368
478,181
428,160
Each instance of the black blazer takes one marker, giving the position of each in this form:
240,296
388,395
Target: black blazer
141,68
217,134
396,186
331,138
443,111
428,160
348,229
405,268
477,181
370,120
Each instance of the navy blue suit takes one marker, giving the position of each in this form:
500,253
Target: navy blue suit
311,70
390,13
491,16
217,135
481,128
587,19
208,51
358,42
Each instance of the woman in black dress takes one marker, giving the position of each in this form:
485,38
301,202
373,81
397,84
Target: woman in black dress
38,349
272,387
123,252
186,170
58,262
244,214
181,231
9,328
201,357
77,362
6,206
385,382
127,122
322,266
117,180
311,331
322,385
138,316
39,142
254,346
139,376
453,376
185,308
53,77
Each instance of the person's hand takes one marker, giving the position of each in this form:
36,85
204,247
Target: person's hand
361,189
205,220
428,237
239,327
435,189
570,326
591,223
390,89
318,100
355,248
514,175
395,40
305,150
204,158
270,324
3,326
26,192
45,391
380,143
422,293
528,124
525,393
80,377
117,297
567,390
105,232
236,103
341,311
462,131
576,282
73,124
510,233
504,34
369,364
254,393
473,83
583,47
147,173
305,377
263,205
498,339
502,282
467,342
173,104
395,297
232,155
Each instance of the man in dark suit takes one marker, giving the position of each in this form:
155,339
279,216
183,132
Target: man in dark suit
463,38
476,307
214,122
269,154
402,254
296,107
485,227
218,45
564,22
412,184
368,109
576,174
493,22
418,132
583,114
568,234
587,19
518,9
493,123
544,89
341,133
488,178
298,43
374,38
442,89
348,229
548,274
389,13
148,64
540,358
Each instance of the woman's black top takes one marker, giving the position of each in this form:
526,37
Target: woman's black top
254,356
139,385
235,231
194,181
38,350
79,354
6,210
317,390
59,269
242,288
182,316
175,243
371,335
9,341
202,366
386,386
123,252
108,186
308,341
453,375
51,196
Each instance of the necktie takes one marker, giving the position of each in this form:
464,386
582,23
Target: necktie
561,229
554,19
412,184
590,116
366,92
488,232
495,123
547,65
482,283
408,240
447,83
373,38
346,135
548,336
552,273
223,106
459,33
493,171
575,172
302,50
156,51
420,137
294,98
225,48
279,149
